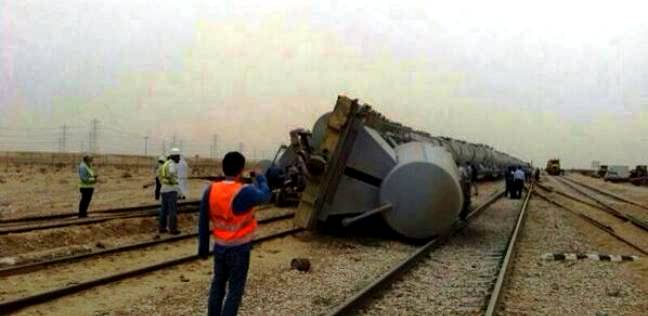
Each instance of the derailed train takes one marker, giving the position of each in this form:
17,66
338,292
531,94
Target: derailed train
356,163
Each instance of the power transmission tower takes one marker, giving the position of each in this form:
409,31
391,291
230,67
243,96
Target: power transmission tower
174,141
213,153
63,139
146,138
93,145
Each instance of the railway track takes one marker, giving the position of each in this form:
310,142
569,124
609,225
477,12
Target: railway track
630,214
66,222
38,265
489,259
564,266
595,221
607,193
72,215
113,214
76,286
607,206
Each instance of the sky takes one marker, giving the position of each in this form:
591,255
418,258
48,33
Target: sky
536,79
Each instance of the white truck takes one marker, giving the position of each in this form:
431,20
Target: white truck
617,173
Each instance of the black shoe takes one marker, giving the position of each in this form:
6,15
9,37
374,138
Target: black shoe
163,230
175,232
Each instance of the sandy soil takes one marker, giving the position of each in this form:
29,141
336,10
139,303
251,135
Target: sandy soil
35,190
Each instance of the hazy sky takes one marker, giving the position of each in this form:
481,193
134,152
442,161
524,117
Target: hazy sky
532,78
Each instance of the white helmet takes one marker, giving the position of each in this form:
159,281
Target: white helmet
174,151
161,159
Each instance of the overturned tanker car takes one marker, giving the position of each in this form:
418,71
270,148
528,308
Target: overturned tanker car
356,163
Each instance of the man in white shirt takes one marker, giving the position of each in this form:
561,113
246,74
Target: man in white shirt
183,174
518,182
170,188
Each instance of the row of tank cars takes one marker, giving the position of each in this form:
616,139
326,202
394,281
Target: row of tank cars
355,163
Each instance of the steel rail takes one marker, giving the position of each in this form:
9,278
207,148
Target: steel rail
34,266
75,214
496,295
594,222
634,220
96,219
607,193
82,221
605,207
354,302
42,297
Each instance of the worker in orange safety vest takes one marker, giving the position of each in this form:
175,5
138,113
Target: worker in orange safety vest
229,206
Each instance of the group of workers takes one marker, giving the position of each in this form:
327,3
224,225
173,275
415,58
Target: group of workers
515,178
229,206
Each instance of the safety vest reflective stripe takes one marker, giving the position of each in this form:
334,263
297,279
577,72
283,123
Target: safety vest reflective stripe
235,242
229,228
164,175
232,227
90,181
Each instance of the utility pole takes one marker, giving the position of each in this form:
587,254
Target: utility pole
146,138
213,153
241,147
164,147
173,142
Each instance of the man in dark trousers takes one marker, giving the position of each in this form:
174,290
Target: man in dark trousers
229,206
518,182
88,179
168,175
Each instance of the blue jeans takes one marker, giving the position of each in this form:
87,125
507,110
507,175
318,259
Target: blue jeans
230,269
169,208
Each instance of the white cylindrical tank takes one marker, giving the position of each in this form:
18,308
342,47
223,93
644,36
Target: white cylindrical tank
423,189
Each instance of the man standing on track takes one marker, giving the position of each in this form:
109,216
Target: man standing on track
518,182
86,187
229,205
169,179
183,175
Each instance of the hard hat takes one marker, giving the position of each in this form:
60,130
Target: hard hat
161,158
174,152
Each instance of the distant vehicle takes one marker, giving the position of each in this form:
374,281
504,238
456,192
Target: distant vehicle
553,167
639,176
617,173
602,171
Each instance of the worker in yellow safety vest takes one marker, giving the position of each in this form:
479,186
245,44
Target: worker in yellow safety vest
88,179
